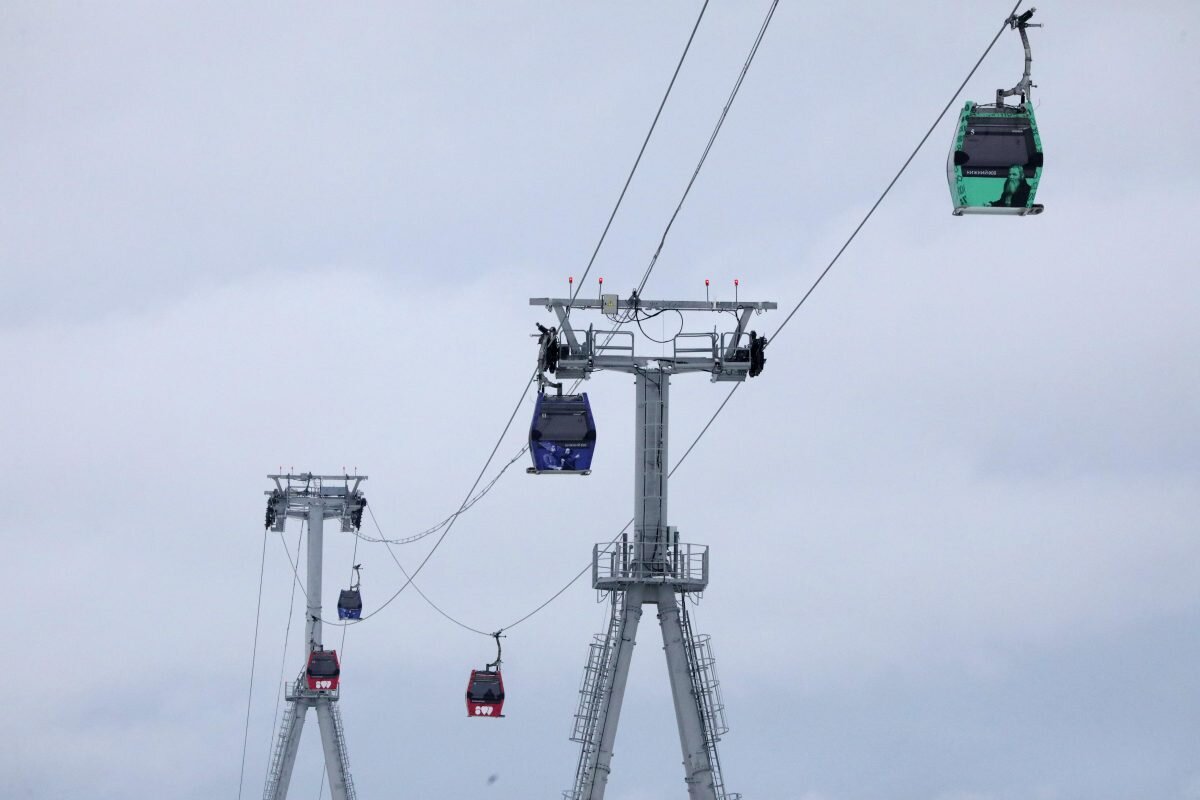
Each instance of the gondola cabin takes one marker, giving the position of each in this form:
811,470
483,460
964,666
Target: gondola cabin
995,161
323,671
349,604
562,436
485,693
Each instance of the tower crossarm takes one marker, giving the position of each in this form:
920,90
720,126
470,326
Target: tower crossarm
629,304
732,355
297,494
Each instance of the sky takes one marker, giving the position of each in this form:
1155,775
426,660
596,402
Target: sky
954,547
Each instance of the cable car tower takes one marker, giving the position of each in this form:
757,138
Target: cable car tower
655,568
314,498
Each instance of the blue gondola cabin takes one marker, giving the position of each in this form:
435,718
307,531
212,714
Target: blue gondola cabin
349,604
562,437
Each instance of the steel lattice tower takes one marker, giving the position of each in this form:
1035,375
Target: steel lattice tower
314,498
655,568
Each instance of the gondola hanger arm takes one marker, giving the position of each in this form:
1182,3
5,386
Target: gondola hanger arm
498,635
1019,23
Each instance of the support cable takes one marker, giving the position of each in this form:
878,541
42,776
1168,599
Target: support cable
638,160
901,171
447,523
388,543
253,660
470,492
469,501
465,507
596,251
286,636
645,277
695,441
807,294
712,138
608,545
591,261
737,85
295,565
453,518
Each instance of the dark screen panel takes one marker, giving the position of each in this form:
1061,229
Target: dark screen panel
323,667
996,149
563,420
485,689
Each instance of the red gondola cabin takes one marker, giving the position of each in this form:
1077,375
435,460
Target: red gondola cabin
323,671
485,693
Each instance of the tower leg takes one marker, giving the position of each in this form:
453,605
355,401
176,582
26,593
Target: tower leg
283,758
697,769
614,691
333,741
650,573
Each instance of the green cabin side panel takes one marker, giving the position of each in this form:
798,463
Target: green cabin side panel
958,191
979,192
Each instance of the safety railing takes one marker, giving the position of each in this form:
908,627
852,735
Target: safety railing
609,343
705,345
731,340
299,691
578,360
623,563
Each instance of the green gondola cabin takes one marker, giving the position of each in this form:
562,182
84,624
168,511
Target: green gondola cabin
995,164
995,161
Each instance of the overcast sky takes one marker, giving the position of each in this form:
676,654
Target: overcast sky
955,548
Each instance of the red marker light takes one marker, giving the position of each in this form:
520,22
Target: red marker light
706,281
735,281
602,281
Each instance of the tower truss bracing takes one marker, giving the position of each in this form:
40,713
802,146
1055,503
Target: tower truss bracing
655,567
314,498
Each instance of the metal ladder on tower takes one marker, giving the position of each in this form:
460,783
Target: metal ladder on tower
706,688
586,730
290,714
343,754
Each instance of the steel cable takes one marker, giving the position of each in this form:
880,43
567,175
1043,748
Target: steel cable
737,85
253,660
902,170
287,633
470,501
637,160
645,277
650,268
470,491
796,308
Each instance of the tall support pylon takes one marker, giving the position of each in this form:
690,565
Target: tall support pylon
314,498
655,568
